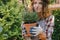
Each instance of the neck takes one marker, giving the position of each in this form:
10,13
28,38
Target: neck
40,15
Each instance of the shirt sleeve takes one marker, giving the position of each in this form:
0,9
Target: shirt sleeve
23,28
50,26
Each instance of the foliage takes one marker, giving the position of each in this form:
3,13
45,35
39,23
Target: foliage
30,17
56,33
52,1
10,19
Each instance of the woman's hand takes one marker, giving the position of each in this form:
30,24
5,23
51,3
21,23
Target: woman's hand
36,31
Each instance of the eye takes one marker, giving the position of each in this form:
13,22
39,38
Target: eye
35,2
40,2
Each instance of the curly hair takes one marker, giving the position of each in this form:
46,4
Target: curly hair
45,11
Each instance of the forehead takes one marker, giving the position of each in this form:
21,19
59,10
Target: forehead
37,1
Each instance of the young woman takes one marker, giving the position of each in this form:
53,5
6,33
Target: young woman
46,19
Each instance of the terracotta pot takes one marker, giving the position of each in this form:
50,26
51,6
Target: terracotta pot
28,26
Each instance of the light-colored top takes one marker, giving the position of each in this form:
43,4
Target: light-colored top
47,25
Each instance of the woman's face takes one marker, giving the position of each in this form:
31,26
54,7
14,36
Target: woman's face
37,5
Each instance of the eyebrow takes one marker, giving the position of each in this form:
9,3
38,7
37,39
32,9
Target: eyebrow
39,2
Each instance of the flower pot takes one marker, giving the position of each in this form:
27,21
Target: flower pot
27,27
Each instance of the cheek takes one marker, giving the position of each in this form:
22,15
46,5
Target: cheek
34,6
40,6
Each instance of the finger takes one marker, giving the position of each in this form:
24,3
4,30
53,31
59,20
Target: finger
33,27
33,32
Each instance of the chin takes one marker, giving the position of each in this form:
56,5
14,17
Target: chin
37,11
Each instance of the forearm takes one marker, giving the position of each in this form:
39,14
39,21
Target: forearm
54,6
50,26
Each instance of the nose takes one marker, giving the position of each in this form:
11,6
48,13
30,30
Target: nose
37,6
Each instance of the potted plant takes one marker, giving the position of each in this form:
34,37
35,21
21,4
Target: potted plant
30,20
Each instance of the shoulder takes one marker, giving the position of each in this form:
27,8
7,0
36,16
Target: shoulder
50,17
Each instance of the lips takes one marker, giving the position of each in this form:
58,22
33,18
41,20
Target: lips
38,10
